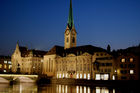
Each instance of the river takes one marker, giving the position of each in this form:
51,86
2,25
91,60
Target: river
33,88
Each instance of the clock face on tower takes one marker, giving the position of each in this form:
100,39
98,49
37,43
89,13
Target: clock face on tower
73,32
67,32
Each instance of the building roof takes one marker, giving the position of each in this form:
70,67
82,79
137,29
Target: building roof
35,53
5,57
59,50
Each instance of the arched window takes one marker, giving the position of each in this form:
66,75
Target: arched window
73,40
67,39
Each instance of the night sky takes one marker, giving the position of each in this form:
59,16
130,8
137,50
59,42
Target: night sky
40,24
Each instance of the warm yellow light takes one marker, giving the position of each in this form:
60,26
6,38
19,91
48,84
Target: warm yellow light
131,59
84,76
123,60
97,77
80,76
88,76
77,76
113,77
131,71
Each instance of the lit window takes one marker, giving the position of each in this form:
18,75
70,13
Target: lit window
106,77
10,66
113,78
66,75
80,76
123,60
9,62
131,71
77,76
88,76
84,76
5,66
97,77
5,61
41,60
59,75
98,90
0,65
63,75
131,59
4,70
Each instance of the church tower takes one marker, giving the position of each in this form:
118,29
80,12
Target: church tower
70,32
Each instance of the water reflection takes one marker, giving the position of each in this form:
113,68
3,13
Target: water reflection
74,89
18,88
33,88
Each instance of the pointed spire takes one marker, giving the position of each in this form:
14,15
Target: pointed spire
70,18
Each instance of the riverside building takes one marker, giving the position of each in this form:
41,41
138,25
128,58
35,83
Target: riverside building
78,62
5,64
27,61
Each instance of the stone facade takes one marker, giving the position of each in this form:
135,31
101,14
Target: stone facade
27,61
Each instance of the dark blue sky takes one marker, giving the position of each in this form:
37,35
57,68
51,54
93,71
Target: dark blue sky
40,24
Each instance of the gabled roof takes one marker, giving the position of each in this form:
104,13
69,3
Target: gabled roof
56,50
36,53
82,49
59,50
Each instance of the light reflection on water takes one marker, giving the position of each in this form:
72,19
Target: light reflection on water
33,88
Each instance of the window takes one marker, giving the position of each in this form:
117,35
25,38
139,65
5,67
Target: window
131,71
84,67
77,76
66,75
97,77
9,62
84,76
123,71
80,67
0,65
80,76
131,59
88,77
113,77
73,40
10,66
5,61
123,60
4,70
88,67
131,65
67,39
97,54
5,66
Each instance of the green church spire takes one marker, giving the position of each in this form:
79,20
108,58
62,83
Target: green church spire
70,18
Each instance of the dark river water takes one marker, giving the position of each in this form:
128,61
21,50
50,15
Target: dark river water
33,88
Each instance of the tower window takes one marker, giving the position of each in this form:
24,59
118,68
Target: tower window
73,40
67,39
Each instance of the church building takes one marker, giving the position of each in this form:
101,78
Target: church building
78,62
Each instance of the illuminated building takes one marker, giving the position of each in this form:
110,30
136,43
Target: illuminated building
127,66
5,64
77,62
27,61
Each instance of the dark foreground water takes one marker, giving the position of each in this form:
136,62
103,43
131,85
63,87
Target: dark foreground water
33,88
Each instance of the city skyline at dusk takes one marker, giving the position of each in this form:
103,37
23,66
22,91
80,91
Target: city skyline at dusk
41,24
